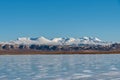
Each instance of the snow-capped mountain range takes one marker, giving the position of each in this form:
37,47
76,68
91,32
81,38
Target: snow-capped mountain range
58,41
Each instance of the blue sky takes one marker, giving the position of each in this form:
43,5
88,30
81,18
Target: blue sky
60,18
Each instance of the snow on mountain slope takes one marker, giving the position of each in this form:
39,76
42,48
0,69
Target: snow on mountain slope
97,39
29,41
43,40
57,41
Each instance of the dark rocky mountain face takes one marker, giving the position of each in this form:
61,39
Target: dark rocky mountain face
114,46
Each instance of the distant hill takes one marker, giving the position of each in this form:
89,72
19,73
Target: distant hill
85,44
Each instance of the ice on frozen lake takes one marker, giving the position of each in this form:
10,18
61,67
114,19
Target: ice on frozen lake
60,67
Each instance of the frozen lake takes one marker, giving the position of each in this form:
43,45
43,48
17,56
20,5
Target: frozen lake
60,67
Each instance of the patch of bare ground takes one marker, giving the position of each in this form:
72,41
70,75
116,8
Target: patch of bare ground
33,52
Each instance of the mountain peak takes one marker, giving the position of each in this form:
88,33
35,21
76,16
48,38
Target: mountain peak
23,39
58,41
